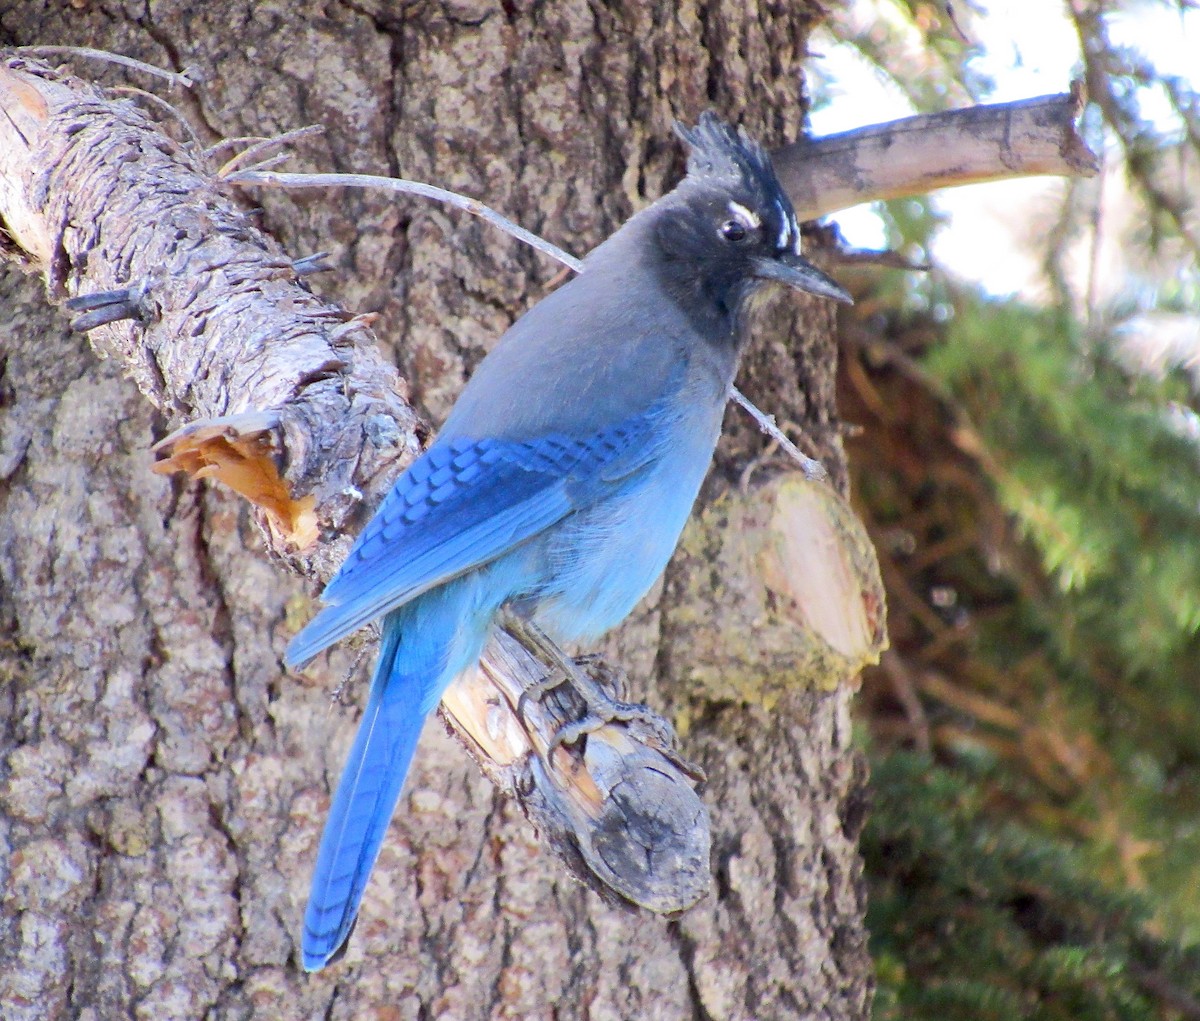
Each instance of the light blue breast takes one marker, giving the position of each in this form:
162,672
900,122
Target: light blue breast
602,561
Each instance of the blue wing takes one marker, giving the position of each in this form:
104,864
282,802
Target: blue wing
461,505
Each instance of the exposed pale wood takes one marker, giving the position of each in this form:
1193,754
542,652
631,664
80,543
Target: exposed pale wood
916,155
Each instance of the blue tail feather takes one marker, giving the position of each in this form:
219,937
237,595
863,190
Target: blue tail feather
426,643
362,807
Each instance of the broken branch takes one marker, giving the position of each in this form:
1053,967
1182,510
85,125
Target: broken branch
916,155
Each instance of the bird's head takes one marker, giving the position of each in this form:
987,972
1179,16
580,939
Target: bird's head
729,226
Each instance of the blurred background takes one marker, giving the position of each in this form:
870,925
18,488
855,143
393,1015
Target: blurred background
1023,432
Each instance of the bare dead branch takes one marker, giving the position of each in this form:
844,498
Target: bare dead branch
627,812
920,154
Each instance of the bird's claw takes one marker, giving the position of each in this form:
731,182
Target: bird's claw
601,708
536,692
611,711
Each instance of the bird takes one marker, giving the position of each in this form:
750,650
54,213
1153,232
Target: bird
560,483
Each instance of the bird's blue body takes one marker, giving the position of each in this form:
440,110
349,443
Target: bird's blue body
559,484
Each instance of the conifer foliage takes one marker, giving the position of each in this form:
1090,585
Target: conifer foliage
1032,482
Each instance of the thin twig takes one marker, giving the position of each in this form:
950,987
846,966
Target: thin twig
187,77
812,468
162,104
266,145
270,161
953,19
888,258
474,206
229,143
905,690
1097,240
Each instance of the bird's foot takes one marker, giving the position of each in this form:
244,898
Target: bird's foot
601,707
609,710
650,729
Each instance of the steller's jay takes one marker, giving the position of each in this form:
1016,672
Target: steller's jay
561,481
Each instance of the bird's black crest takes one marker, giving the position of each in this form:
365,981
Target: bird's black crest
721,154
732,161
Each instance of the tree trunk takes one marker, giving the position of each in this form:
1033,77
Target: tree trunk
164,783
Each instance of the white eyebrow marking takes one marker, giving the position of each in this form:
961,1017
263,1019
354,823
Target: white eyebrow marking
747,216
785,227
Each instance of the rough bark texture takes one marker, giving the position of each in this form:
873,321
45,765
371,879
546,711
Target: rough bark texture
164,783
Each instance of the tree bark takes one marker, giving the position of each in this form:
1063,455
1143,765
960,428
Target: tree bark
164,783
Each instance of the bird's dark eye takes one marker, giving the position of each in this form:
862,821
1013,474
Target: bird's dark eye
734,230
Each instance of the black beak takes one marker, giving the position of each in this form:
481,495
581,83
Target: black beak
801,274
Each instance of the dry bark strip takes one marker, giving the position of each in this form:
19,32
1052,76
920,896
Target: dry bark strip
292,406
